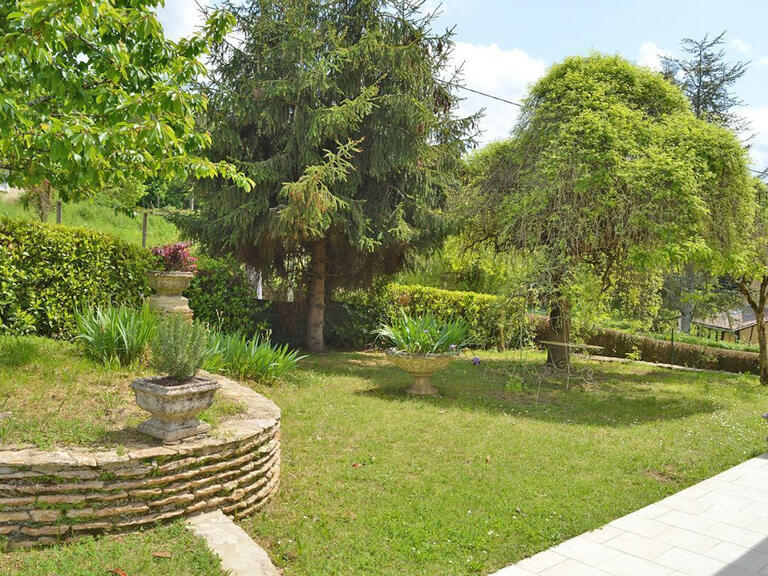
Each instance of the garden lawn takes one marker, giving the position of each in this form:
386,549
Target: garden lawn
375,482
171,550
101,218
56,396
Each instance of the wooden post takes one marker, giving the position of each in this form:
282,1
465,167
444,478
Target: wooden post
144,229
58,212
192,203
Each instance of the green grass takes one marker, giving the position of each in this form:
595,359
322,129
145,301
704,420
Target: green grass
102,219
375,482
138,554
57,396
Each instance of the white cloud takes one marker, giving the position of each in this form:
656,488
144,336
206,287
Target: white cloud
741,46
504,73
758,125
650,55
179,18
763,61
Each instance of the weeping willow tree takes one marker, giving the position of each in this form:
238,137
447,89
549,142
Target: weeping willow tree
343,115
608,167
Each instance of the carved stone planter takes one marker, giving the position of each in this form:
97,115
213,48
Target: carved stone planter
421,367
168,287
174,408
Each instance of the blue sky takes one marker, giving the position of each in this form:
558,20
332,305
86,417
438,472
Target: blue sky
505,45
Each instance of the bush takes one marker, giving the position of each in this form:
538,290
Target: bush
115,335
48,271
424,334
253,358
222,296
622,344
175,257
179,347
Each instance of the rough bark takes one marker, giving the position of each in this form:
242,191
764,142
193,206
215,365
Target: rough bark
559,331
757,303
313,340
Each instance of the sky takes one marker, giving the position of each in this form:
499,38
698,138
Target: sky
505,45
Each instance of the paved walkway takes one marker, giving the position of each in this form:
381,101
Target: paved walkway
717,527
240,556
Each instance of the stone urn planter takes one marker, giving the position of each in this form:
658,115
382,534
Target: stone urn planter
174,406
421,367
169,287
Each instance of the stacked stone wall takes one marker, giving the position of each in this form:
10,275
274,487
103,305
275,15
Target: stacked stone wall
52,496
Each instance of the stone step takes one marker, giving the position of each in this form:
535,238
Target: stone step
240,555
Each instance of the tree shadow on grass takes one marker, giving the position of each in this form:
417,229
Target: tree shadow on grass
621,395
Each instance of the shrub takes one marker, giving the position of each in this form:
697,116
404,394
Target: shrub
620,344
115,335
48,271
222,296
179,347
175,257
253,358
424,334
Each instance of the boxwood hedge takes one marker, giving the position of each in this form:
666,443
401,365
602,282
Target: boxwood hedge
46,271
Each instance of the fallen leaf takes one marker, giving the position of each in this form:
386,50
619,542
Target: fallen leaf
488,459
356,465
162,554
118,572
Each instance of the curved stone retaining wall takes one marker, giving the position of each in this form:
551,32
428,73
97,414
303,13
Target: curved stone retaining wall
48,497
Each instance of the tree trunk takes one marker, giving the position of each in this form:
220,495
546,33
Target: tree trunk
758,307
686,317
690,280
316,299
559,331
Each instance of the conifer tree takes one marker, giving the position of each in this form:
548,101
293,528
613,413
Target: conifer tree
343,114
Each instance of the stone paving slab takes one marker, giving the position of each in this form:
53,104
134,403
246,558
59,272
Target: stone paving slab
240,555
718,527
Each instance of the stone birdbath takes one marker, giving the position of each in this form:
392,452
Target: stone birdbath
169,284
421,367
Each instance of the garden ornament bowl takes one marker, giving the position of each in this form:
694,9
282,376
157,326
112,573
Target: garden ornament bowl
174,408
168,287
421,367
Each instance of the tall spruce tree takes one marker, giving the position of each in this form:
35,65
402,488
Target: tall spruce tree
707,79
340,114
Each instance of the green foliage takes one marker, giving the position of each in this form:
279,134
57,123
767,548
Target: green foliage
344,121
179,347
223,297
424,334
115,335
493,321
101,217
254,358
47,272
609,167
94,97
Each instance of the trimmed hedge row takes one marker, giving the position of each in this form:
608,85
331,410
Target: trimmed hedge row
46,271
623,344
494,322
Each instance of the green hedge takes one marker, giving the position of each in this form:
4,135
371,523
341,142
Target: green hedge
622,344
494,322
46,271
222,295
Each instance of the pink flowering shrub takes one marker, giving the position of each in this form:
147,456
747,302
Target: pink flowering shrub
176,257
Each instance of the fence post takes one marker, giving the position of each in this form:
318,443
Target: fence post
144,229
58,212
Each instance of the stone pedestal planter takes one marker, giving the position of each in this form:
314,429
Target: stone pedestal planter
168,287
421,367
175,408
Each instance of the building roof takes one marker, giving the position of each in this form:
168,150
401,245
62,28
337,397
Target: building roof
732,320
